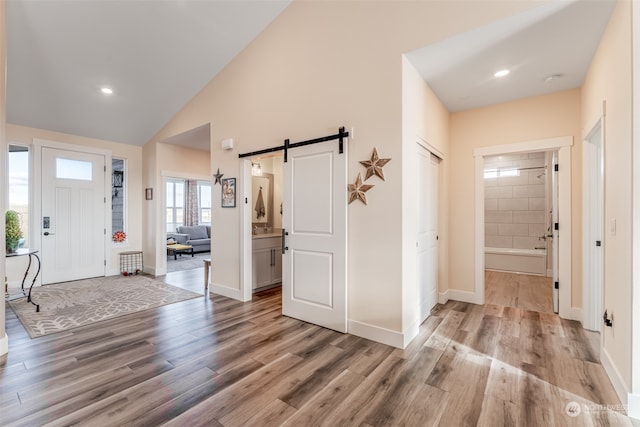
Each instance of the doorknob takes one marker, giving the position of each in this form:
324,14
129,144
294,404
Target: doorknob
46,233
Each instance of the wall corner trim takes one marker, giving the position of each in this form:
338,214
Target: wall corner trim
226,291
464,296
382,335
619,384
4,345
443,297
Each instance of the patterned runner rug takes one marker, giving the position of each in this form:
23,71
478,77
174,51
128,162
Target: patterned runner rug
69,305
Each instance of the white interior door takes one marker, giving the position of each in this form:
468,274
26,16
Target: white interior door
434,230
427,230
314,272
555,243
73,215
593,229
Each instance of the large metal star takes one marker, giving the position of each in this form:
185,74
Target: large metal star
374,166
218,176
357,190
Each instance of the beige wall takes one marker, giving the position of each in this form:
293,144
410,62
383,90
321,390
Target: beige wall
318,66
541,117
183,161
133,179
609,79
424,119
3,154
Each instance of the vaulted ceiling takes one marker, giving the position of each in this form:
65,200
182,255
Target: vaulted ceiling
156,55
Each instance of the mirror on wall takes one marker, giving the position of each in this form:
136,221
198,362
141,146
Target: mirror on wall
262,196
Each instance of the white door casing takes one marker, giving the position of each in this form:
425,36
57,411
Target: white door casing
314,271
73,203
555,219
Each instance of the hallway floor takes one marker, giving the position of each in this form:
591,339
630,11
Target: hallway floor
524,291
215,361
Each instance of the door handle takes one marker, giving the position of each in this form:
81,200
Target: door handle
46,233
284,248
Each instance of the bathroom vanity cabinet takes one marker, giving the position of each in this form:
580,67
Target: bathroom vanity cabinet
267,260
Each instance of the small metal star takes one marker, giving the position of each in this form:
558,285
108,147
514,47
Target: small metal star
218,176
374,166
357,190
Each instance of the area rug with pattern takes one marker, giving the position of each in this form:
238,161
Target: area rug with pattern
70,305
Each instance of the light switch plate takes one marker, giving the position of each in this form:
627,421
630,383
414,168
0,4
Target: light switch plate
613,227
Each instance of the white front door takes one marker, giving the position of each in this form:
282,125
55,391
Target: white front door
314,267
73,215
427,230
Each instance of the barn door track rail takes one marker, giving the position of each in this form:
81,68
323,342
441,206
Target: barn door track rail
340,136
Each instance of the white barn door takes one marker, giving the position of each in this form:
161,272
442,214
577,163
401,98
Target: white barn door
314,277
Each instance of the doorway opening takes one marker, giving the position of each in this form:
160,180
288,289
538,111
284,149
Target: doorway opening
520,203
266,222
562,226
187,222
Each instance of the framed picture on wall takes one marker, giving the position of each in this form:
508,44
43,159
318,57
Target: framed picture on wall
228,192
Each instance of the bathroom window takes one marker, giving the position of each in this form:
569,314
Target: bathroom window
18,166
118,199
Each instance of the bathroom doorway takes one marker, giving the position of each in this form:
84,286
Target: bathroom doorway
266,222
520,204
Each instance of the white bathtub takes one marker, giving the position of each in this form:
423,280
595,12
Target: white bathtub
529,261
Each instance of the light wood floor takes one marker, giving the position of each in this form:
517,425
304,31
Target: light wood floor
524,291
215,361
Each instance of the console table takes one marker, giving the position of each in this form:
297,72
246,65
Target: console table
31,253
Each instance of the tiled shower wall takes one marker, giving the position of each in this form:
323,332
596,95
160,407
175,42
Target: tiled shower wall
516,206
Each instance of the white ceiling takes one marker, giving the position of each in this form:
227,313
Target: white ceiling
155,54
198,138
158,54
559,37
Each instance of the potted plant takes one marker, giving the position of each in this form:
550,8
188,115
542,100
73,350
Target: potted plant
13,234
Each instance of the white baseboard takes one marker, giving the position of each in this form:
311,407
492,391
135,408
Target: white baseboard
464,296
153,271
377,334
225,291
633,406
443,297
575,313
4,345
619,384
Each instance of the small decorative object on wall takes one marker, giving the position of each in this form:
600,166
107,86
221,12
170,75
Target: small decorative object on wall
228,192
374,165
218,176
357,190
148,193
119,236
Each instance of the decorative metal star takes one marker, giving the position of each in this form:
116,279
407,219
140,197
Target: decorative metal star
357,190
374,166
218,176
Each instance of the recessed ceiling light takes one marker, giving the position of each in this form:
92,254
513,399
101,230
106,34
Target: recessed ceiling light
501,73
106,90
